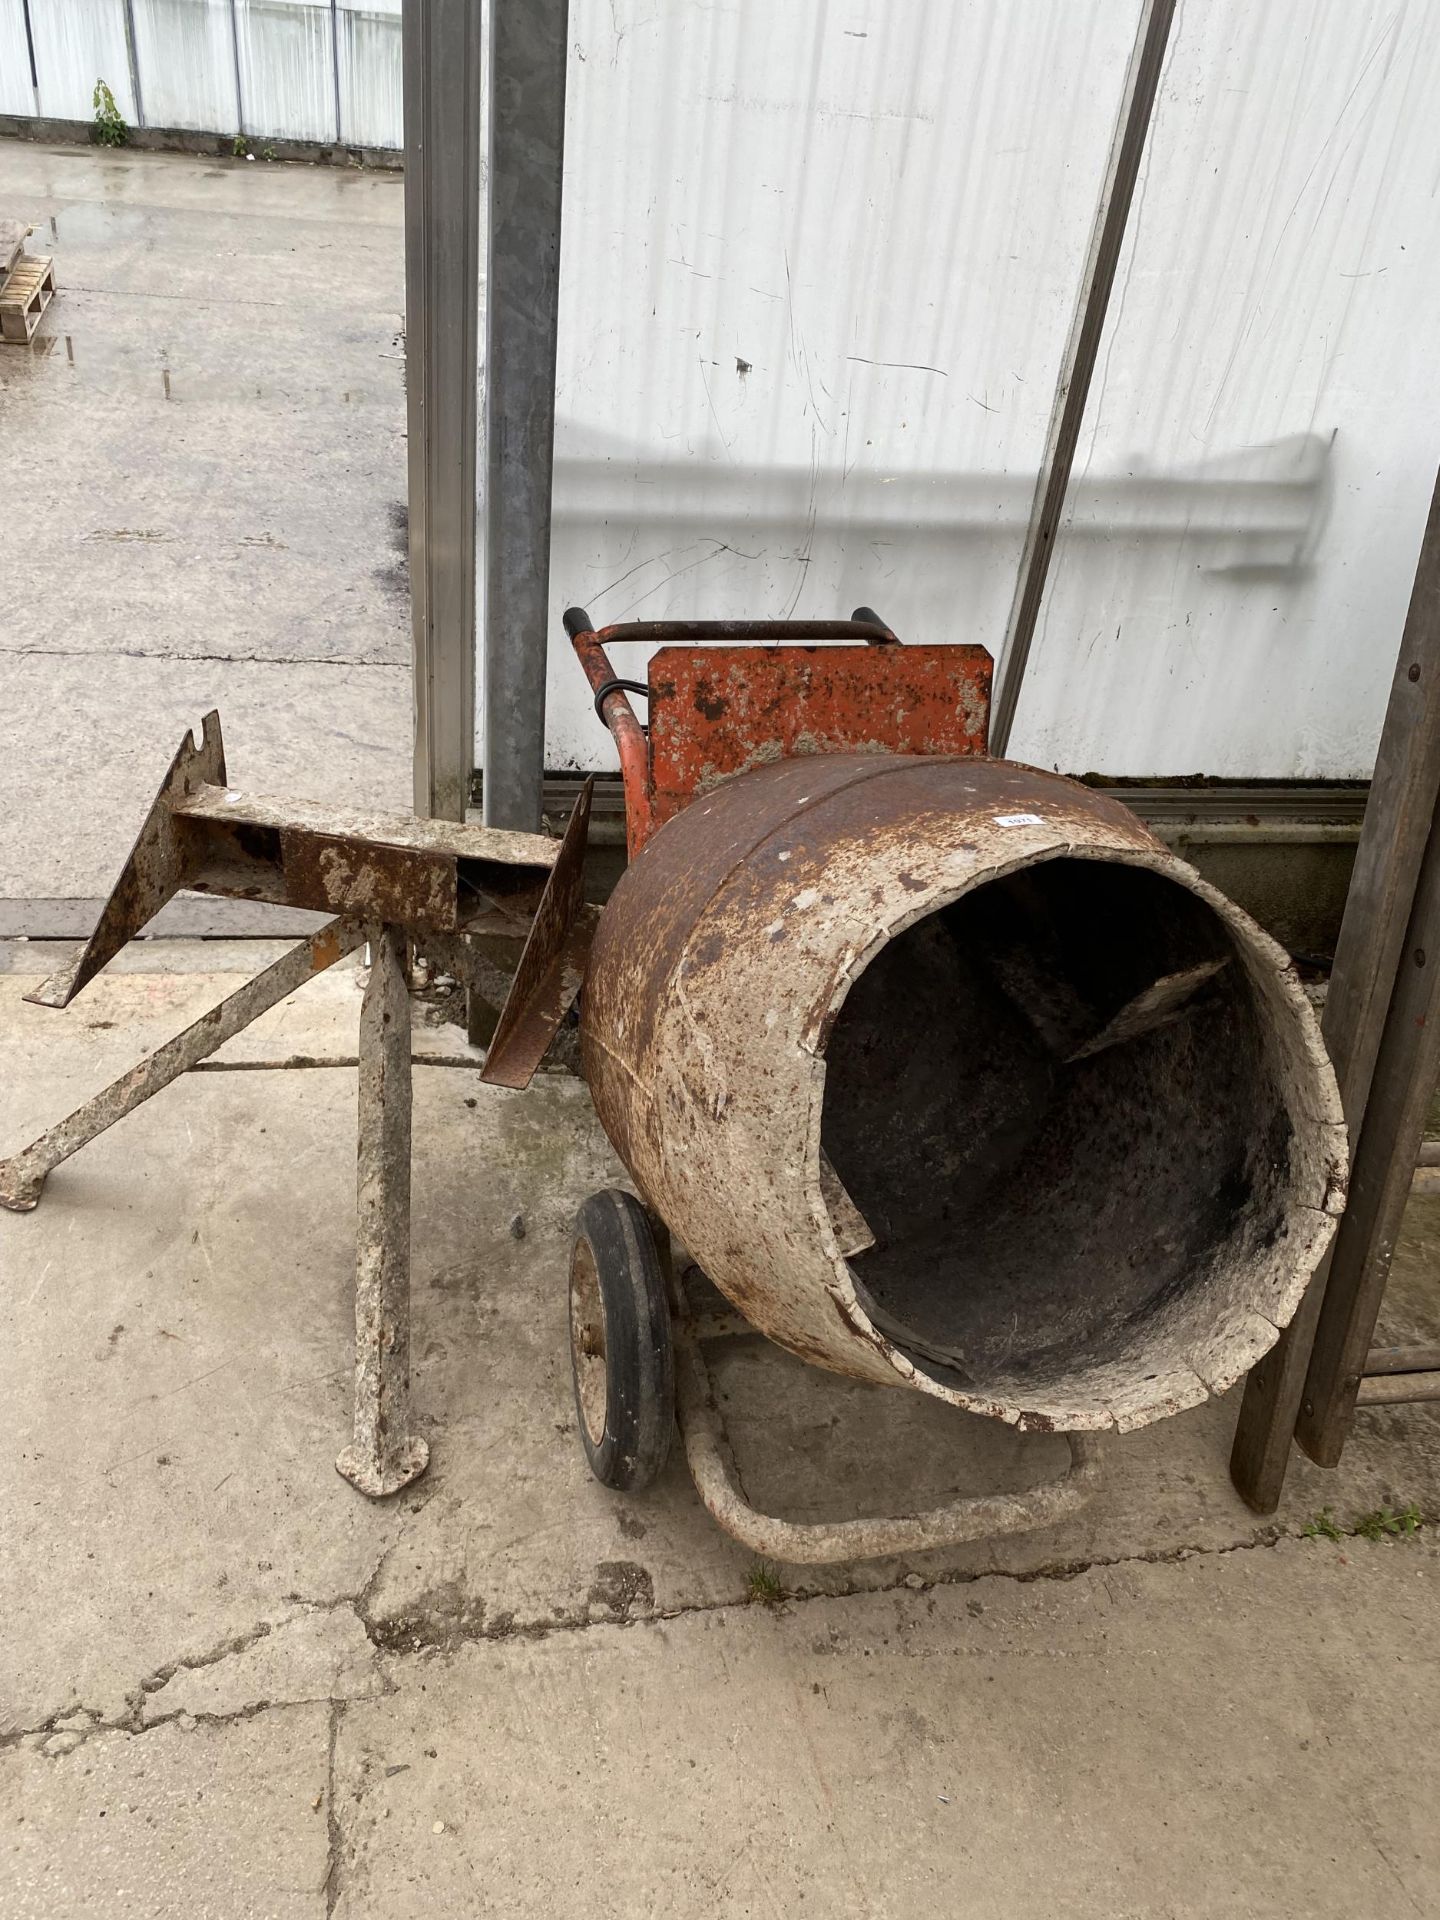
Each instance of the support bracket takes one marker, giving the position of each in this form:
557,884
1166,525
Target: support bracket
401,882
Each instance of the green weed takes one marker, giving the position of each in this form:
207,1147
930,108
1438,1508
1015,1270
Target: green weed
1385,1522
762,1583
1381,1523
110,129
1322,1527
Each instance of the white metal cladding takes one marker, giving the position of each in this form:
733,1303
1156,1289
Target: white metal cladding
276,69
74,46
17,94
185,52
819,262
818,268
371,113
287,70
1272,339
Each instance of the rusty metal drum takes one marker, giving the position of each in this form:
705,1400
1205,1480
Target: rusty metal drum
950,1075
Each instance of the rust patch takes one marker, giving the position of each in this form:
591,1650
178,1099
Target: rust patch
548,976
404,884
718,711
1032,1422
324,948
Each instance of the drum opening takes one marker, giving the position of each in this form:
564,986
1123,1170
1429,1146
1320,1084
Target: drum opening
1051,1115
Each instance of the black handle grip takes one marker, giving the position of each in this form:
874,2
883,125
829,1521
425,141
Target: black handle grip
872,619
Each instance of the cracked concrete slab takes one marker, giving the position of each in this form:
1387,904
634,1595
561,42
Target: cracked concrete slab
171,1423
148,413
175,1384
166,560
319,1654
209,1823
181,1359
1146,1741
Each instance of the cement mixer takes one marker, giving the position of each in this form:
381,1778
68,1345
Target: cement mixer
944,1070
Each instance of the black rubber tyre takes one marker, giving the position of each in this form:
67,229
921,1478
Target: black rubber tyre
621,1360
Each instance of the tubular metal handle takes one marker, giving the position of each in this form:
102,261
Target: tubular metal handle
865,624
982,1516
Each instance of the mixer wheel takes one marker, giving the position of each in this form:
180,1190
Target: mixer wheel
620,1351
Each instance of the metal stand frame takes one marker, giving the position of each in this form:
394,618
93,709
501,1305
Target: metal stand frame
1382,1025
385,1455
400,883
820,1542
441,48
23,1176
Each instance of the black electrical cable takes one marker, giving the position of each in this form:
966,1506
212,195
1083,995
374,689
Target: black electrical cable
607,687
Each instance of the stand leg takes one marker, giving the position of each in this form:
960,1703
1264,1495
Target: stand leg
384,1455
23,1175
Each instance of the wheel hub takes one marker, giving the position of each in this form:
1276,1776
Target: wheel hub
587,1339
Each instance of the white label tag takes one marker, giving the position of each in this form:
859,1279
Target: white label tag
1018,820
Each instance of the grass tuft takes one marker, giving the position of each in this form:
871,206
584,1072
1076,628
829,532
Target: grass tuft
762,1584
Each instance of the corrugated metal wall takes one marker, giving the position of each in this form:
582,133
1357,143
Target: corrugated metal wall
185,51
818,266
819,262
322,70
1271,330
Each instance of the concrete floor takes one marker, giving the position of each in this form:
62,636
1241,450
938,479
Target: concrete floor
229,1685
205,454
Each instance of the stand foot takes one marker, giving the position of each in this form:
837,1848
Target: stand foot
19,1191
379,1477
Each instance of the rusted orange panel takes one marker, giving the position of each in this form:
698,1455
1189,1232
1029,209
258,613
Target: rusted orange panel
716,711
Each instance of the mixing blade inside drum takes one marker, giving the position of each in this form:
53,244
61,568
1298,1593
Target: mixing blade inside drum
1052,1106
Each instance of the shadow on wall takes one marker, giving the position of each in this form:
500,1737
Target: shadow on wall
1258,512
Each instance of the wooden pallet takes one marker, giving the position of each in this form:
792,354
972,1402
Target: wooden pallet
25,296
